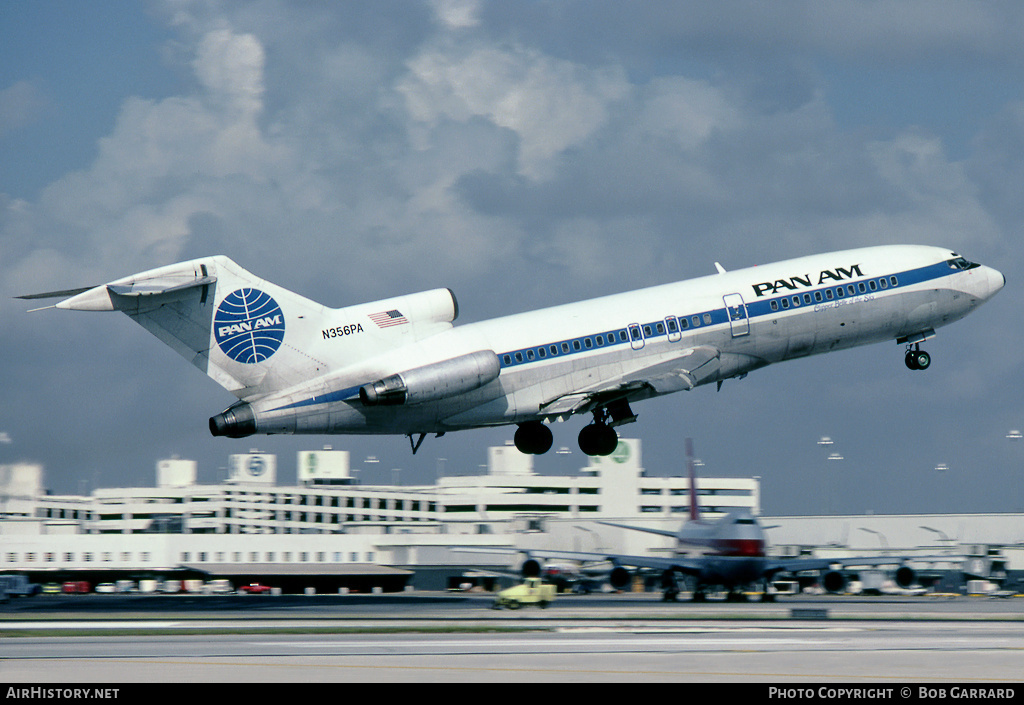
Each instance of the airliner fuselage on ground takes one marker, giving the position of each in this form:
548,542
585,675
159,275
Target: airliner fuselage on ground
399,366
730,552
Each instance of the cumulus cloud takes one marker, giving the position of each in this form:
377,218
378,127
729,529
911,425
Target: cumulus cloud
523,154
551,105
20,103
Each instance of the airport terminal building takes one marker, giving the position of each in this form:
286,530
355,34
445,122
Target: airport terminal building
329,533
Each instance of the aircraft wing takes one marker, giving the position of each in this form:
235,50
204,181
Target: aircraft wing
686,371
688,566
796,565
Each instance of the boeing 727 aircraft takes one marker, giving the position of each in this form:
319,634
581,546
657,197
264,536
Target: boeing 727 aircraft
399,366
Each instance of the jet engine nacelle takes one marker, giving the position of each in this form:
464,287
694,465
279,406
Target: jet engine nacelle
432,382
905,576
530,568
620,578
834,582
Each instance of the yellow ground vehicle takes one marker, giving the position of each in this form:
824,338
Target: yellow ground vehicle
531,592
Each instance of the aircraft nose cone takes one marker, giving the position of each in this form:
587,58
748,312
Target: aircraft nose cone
996,281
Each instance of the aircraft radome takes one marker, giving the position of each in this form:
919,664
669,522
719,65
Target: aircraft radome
399,366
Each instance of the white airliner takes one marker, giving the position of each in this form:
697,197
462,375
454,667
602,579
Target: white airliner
730,552
399,366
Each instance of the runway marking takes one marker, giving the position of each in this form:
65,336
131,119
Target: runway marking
13,625
604,671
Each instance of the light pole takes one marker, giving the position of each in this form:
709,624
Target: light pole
879,534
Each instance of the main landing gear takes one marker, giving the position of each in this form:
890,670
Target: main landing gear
597,438
533,438
916,358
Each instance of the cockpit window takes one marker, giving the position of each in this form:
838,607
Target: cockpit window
744,521
960,263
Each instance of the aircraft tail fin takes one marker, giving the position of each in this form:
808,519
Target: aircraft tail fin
221,318
251,336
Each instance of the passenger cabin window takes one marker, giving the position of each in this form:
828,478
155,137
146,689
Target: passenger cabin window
894,281
647,332
872,285
634,332
507,359
707,319
565,347
588,343
696,321
576,345
775,305
660,328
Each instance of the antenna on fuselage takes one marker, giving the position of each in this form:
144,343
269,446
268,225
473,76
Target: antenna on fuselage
692,474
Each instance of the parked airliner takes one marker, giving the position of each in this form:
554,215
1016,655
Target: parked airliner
399,366
730,552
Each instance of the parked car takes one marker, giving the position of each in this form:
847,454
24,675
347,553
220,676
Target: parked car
75,587
254,589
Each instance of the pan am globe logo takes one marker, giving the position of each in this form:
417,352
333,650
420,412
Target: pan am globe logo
248,326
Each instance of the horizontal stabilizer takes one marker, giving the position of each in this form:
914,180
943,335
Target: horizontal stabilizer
154,288
57,294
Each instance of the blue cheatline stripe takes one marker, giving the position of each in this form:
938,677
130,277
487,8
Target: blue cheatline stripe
330,397
657,329
719,316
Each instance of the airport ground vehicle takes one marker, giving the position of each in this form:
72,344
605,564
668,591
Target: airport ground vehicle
531,592
75,587
18,586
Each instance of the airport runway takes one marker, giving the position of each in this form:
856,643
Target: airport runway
963,641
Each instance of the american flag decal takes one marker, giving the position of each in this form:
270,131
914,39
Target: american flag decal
386,319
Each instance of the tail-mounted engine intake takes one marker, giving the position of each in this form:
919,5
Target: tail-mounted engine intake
431,382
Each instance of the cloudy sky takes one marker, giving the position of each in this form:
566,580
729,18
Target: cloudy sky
523,154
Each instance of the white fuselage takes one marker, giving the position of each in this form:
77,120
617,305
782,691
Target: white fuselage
751,317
